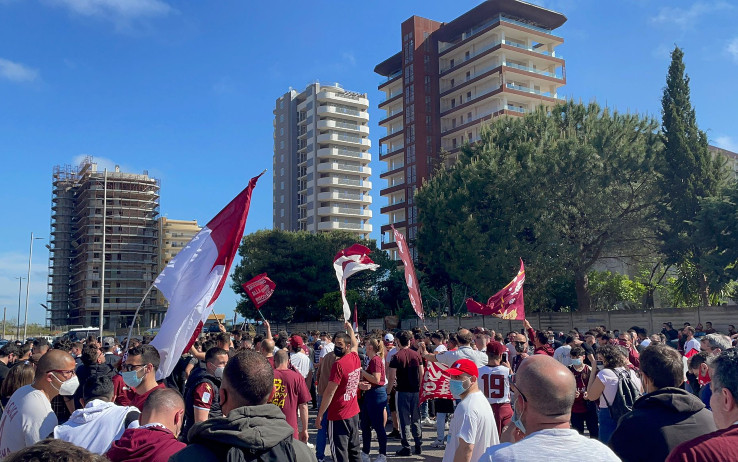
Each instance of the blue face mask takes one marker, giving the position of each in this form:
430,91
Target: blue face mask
515,419
457,388
131,378
576,362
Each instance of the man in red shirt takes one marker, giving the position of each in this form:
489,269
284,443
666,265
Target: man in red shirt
340,398
139,373
539,339
722,444
290,394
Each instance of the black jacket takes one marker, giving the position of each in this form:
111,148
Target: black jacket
658,423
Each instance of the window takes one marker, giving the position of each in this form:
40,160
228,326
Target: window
281,185
281,198
281,117
468,116
468,75
466,55
281,213
281,172
281,157
281,131
453,102
281,145
281,104
468,95
452,82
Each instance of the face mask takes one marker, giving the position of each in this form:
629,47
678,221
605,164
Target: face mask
576,362
515,419
457,388
339,351
131,378
219,372
69,387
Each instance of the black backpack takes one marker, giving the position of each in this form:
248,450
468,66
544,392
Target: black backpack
626,394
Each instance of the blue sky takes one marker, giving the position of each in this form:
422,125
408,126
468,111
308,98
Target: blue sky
186,90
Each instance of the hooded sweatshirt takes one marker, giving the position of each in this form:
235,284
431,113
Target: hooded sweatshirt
145,444
261,433
96,426
658,423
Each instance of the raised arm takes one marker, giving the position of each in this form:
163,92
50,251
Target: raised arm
354,343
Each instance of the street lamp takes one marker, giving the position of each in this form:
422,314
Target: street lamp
17,324
28,285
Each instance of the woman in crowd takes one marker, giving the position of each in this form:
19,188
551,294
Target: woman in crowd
18,376
604,385
375,400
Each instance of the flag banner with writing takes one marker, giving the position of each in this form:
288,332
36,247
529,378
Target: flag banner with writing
259,289
194,278
507,303
348,262
435,383
413,288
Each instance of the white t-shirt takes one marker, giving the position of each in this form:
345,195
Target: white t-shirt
301,363
465,352
494,382
560,444
95,427
473,422
645,342
27,419
327,348
610,380
511,353
693,344
562,355
440,348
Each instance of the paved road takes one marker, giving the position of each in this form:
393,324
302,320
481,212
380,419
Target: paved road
429,434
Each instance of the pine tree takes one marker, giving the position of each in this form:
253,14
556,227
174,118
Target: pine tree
688,173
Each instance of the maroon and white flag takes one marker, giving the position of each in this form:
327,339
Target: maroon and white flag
194,278
412,281
435,383
348,262
259,289
507,303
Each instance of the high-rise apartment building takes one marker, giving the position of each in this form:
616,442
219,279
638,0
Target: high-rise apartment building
85,215
321,161
498,59
174,235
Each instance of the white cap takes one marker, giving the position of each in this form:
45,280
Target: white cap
389,338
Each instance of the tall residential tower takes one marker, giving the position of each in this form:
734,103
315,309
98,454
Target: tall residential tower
321,161
498,59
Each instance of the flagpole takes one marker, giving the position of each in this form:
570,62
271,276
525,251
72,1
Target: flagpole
130,329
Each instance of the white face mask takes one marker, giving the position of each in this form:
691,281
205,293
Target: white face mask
69,387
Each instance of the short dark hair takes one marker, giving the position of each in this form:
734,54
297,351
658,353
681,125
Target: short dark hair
404,337
90,354
148,354
464,339
724,372
8,349
576,351
40,342
98,387
223,337
213,352
342,335
53,450
663,365
251,377
697,360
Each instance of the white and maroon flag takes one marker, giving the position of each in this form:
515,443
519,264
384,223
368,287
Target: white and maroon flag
194,278
507,303
348,262
412,282
435,383
259,289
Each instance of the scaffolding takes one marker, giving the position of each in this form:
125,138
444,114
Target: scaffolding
76,249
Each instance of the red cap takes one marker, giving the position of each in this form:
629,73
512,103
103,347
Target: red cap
296,340
495,348
463,366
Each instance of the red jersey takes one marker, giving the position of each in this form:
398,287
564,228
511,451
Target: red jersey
290,391
376,364
139,400
582,380
345,372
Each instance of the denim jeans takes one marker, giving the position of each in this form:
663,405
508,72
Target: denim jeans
607,424
322,436
372,417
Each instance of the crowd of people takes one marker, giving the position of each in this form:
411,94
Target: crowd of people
603,395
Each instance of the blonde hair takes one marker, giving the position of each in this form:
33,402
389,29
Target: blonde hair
377,346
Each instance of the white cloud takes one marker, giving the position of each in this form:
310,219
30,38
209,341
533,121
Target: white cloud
733,49
121,12
16,72
727,143
686,18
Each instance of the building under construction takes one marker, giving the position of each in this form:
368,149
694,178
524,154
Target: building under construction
85,214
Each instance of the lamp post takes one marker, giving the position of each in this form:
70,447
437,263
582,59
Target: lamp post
18,324
28,285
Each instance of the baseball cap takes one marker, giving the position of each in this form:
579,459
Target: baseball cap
389,338
495,348
108,342
463,366
296,340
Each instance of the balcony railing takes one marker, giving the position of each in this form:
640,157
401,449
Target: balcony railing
392,76
443,46
547,94
460,82
478,95
535,71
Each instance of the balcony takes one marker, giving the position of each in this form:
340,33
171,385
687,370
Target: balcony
346,98
331,124
351,211
330,225
553,75
391,208
392,151
387,80
342,153
397,133
462,60
392,169
533,91
388,101
343,138
343,168
475,99
334,181
359,198
343,112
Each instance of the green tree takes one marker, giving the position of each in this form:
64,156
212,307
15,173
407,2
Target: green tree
301,265
689,175
561,189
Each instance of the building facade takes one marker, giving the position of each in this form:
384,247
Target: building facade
102,221
173,236
321,161
731,159
498,59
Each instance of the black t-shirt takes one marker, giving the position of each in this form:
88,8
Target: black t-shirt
588,350
407,362
4,369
